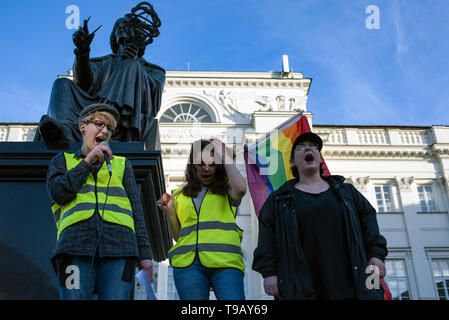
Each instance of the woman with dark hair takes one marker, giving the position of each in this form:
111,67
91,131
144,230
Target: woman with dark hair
318,236
201,216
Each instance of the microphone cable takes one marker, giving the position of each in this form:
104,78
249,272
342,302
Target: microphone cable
100,231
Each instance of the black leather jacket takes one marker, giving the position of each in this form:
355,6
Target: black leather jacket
279,250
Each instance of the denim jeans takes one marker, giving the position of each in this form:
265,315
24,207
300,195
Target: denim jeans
111,277
194,282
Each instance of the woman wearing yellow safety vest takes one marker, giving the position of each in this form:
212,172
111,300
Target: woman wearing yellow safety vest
201,216
101,232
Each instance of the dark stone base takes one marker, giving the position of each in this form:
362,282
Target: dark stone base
27,227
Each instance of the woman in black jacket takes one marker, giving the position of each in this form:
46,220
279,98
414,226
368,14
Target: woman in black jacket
318,236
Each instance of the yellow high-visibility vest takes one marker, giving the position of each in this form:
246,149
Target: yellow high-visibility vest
117,209
212,233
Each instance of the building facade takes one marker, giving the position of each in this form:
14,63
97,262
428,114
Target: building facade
402,170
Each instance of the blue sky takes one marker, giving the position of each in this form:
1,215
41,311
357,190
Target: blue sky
395,75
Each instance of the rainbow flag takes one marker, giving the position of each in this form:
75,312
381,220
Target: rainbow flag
268,160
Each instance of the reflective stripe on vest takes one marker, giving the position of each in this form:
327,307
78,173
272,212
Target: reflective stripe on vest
213,233
118,207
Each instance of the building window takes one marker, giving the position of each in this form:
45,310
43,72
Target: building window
28,134
172,293
426,199
3,134
186,113
440,270
397,279
383,198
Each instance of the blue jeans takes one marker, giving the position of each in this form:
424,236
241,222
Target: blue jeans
193,282
111,277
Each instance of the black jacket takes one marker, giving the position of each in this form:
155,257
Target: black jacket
279,251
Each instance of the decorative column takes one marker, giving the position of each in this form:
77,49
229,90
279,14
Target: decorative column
420,261
443,183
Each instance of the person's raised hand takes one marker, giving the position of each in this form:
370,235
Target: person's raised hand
97,153
82,39
165,202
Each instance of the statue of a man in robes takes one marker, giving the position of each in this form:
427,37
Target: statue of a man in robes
123,79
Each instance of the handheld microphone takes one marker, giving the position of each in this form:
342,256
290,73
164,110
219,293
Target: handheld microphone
106,158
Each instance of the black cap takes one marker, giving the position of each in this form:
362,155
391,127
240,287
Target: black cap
311,137
99,107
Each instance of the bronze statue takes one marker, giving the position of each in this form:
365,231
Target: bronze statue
123,79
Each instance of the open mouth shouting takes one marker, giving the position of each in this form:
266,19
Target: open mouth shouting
99,139
308,158
206,178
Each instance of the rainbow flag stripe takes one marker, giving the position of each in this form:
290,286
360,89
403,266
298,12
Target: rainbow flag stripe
268,160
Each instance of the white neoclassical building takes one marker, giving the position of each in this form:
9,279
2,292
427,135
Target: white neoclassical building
402,170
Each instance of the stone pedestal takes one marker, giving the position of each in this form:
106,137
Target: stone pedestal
27,227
